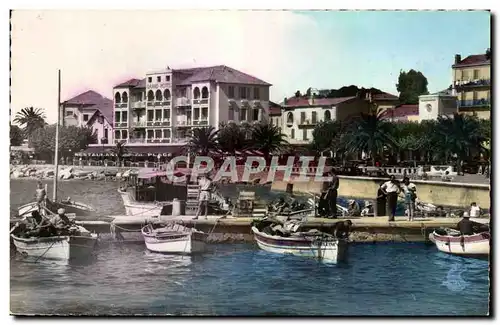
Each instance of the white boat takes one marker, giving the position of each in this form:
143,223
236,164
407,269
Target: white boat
320,246
174,238
78,208
58,247
452,242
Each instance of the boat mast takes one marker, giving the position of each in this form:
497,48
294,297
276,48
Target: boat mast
56,156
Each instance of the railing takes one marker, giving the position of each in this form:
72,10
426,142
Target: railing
182,101
139,123
200,122
121,125
472,83
137,140
184,122
140,104
204,101
474,103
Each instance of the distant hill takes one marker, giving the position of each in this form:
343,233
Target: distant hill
346,91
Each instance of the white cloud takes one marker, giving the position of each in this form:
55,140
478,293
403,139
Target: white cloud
97,49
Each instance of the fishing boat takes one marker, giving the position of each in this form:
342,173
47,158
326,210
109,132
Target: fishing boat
79,243
452,242
78,208
174,239
316,244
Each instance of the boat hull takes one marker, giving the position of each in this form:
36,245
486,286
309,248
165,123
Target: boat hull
329,251
78,208
176,243
474,245
57,248
134,208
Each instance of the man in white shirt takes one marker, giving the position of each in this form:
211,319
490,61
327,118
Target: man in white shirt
391,189
475,210
410,195
205,188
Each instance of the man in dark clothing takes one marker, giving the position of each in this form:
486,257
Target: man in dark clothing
333,187
465,225
381,202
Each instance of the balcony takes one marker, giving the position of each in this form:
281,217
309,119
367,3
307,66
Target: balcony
166,102
462,84
307,123
139,105
138,124
204,101
121,105
196,101
137,140
474,103
200,122
182,101
121,125
184,123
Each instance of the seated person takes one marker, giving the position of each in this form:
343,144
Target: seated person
353,209
368,209
60,221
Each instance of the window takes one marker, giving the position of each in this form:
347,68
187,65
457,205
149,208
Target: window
304,134
158,134
196,93
166,94
69,113
167,134
289,118
465,75
230,115
150,134
292,134
124,134
125,117
166,114
243,93
255,114
124,97
85,117
151,96
314,117
302,117
150,79
118,98
159,96
106,134
476,74
157,114
230,92
158,79
204,92
248,93
118,135
117,117
183,92
204,113
256,94
167,78
151,114
328,116
243,114
196,113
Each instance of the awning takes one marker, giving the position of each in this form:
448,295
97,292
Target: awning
131,151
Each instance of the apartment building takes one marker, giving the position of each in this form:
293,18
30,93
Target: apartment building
90,109
472,84
433,105
275,115
163,107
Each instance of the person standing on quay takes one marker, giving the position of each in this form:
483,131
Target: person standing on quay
333,187
410,196
391,190
381,202
205,193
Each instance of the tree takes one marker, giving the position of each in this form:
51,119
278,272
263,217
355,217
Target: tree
326,136
119,151
71,139
231,137
203,140
460,135
268,139
30,119
16,136
368,133
410,85
298,94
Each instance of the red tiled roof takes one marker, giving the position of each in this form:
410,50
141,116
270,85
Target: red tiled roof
476,59
130,83
384,96
301,102
89,97
219,73
402,111
274,109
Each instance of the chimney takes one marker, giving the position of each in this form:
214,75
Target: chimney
284,102
458,58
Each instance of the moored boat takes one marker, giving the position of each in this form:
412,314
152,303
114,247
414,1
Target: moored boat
78,208
452,242
79,244
315,244
174,239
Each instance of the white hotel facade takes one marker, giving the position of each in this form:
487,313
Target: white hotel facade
163,107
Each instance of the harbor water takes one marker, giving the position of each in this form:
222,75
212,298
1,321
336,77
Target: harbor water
239,279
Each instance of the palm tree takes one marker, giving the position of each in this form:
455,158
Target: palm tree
460,134
30,119
268,139
368,133
119,150
203,140
231,137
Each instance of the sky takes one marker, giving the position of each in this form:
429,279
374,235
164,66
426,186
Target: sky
292,50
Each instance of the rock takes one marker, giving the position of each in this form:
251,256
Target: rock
48,173
118,175
17,174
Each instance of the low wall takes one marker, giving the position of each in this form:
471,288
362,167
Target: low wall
437,193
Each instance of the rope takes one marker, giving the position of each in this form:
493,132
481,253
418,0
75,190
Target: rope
39,257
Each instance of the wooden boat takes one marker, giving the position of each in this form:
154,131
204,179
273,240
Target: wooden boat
69,247
452,242
174,239
78,208
316,244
